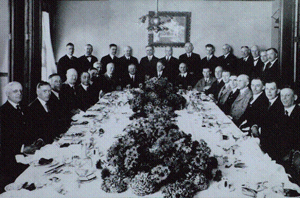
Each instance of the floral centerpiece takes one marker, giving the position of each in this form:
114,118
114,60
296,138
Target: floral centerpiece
153,154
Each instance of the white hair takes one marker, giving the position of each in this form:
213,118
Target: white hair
9,86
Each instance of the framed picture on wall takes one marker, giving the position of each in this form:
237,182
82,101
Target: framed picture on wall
169,28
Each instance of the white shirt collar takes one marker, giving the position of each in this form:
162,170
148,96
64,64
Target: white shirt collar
69,56
273,100
272,63
209,56
131,75
112,57
183,74
55,93
84,86
227,85
150,57
256,59
226,55
243,90
290,109
219,80
255,97
13,103
71,85
246,58
127,57
234,90
43,104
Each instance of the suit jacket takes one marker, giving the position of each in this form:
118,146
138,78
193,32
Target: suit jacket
163,75
171,67
42,124
257,69
226,107
85,64
256,112
240,104
224,94
215,88
202,83
107,59
272,73
109,84
85,98
128,81
212,63
124,62
147,67
13,134
184,81
65,63
228,63
193,63
68,98
245,67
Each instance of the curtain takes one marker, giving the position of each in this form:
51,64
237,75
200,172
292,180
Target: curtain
48,61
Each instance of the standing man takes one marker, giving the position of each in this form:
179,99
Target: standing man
210,60
111,57
148,63
272,71
192,60
245,63
228,61
13,134
240,104
171,63
257,63
264,59
67,61
87,60
126,60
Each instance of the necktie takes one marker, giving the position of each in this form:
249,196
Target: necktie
159,74
149,58
132,78
19,109
47,107
268,66
286,113
270,104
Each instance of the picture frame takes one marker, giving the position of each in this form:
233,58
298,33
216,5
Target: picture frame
178,25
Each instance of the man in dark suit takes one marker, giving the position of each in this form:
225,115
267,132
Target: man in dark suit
67,61
210,60
13,134
148,63
109,82
42,119
241,102
257,107
97,65
56,104
272,70
68,93
84,93
192,60
126,60
264,62
131,77
171,63
257,63
87,60
160,71
205,82
184,79
111,57
225,90
216,86
245,63
228,61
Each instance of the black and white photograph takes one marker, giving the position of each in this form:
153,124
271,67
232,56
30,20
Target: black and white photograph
149,98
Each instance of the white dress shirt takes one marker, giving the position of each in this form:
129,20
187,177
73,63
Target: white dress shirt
43,104
255,97
289,109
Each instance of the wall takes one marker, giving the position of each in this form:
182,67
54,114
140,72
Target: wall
4,43
116,21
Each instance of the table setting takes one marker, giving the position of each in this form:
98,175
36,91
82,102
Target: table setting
79,163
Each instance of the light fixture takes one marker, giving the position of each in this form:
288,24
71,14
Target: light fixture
155,21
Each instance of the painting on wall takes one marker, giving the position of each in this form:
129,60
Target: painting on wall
173,28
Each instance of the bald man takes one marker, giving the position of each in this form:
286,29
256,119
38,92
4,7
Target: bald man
240,104
171,63
126,60
87,60
192,60
228,61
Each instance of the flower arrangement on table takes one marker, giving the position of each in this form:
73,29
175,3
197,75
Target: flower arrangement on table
153,154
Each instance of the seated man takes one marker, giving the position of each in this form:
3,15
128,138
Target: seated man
13,134
87,60
84,93
205,82
191,59
184,79
160,71
131,78
42,119
216,86
240,104
226,101
225,90
68,93
97,65
258,106
228,60
109,82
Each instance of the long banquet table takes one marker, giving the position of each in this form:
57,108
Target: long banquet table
240,159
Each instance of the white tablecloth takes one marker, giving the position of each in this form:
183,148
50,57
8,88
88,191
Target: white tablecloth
222,136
